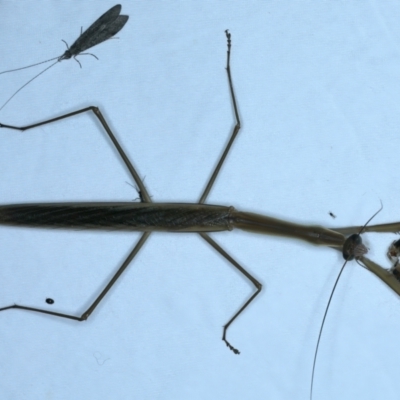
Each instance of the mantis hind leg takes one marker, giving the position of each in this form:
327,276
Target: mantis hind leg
98,299
246,274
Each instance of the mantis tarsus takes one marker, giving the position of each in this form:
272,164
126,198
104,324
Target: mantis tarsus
148,216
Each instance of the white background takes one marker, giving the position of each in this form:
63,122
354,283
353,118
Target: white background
318,88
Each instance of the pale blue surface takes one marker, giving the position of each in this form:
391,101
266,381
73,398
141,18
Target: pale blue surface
318,87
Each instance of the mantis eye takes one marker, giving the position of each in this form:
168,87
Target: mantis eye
394,250
353,247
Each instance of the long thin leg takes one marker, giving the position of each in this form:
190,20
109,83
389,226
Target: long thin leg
235,129
246,274
392,227
103,122
100,297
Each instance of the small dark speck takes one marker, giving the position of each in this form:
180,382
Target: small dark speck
100,359
49,301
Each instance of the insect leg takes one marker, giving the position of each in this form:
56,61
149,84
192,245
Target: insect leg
235,129
100,297
103,122
392,227
246,274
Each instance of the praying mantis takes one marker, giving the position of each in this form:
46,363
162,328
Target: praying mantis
263,260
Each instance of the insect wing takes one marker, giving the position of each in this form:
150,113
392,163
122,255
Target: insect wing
102,29
107,32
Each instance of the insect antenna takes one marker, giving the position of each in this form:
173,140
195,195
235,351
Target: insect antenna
353,248
29,66
30,80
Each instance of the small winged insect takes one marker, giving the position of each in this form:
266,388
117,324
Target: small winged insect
104,28
139,192
332,214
